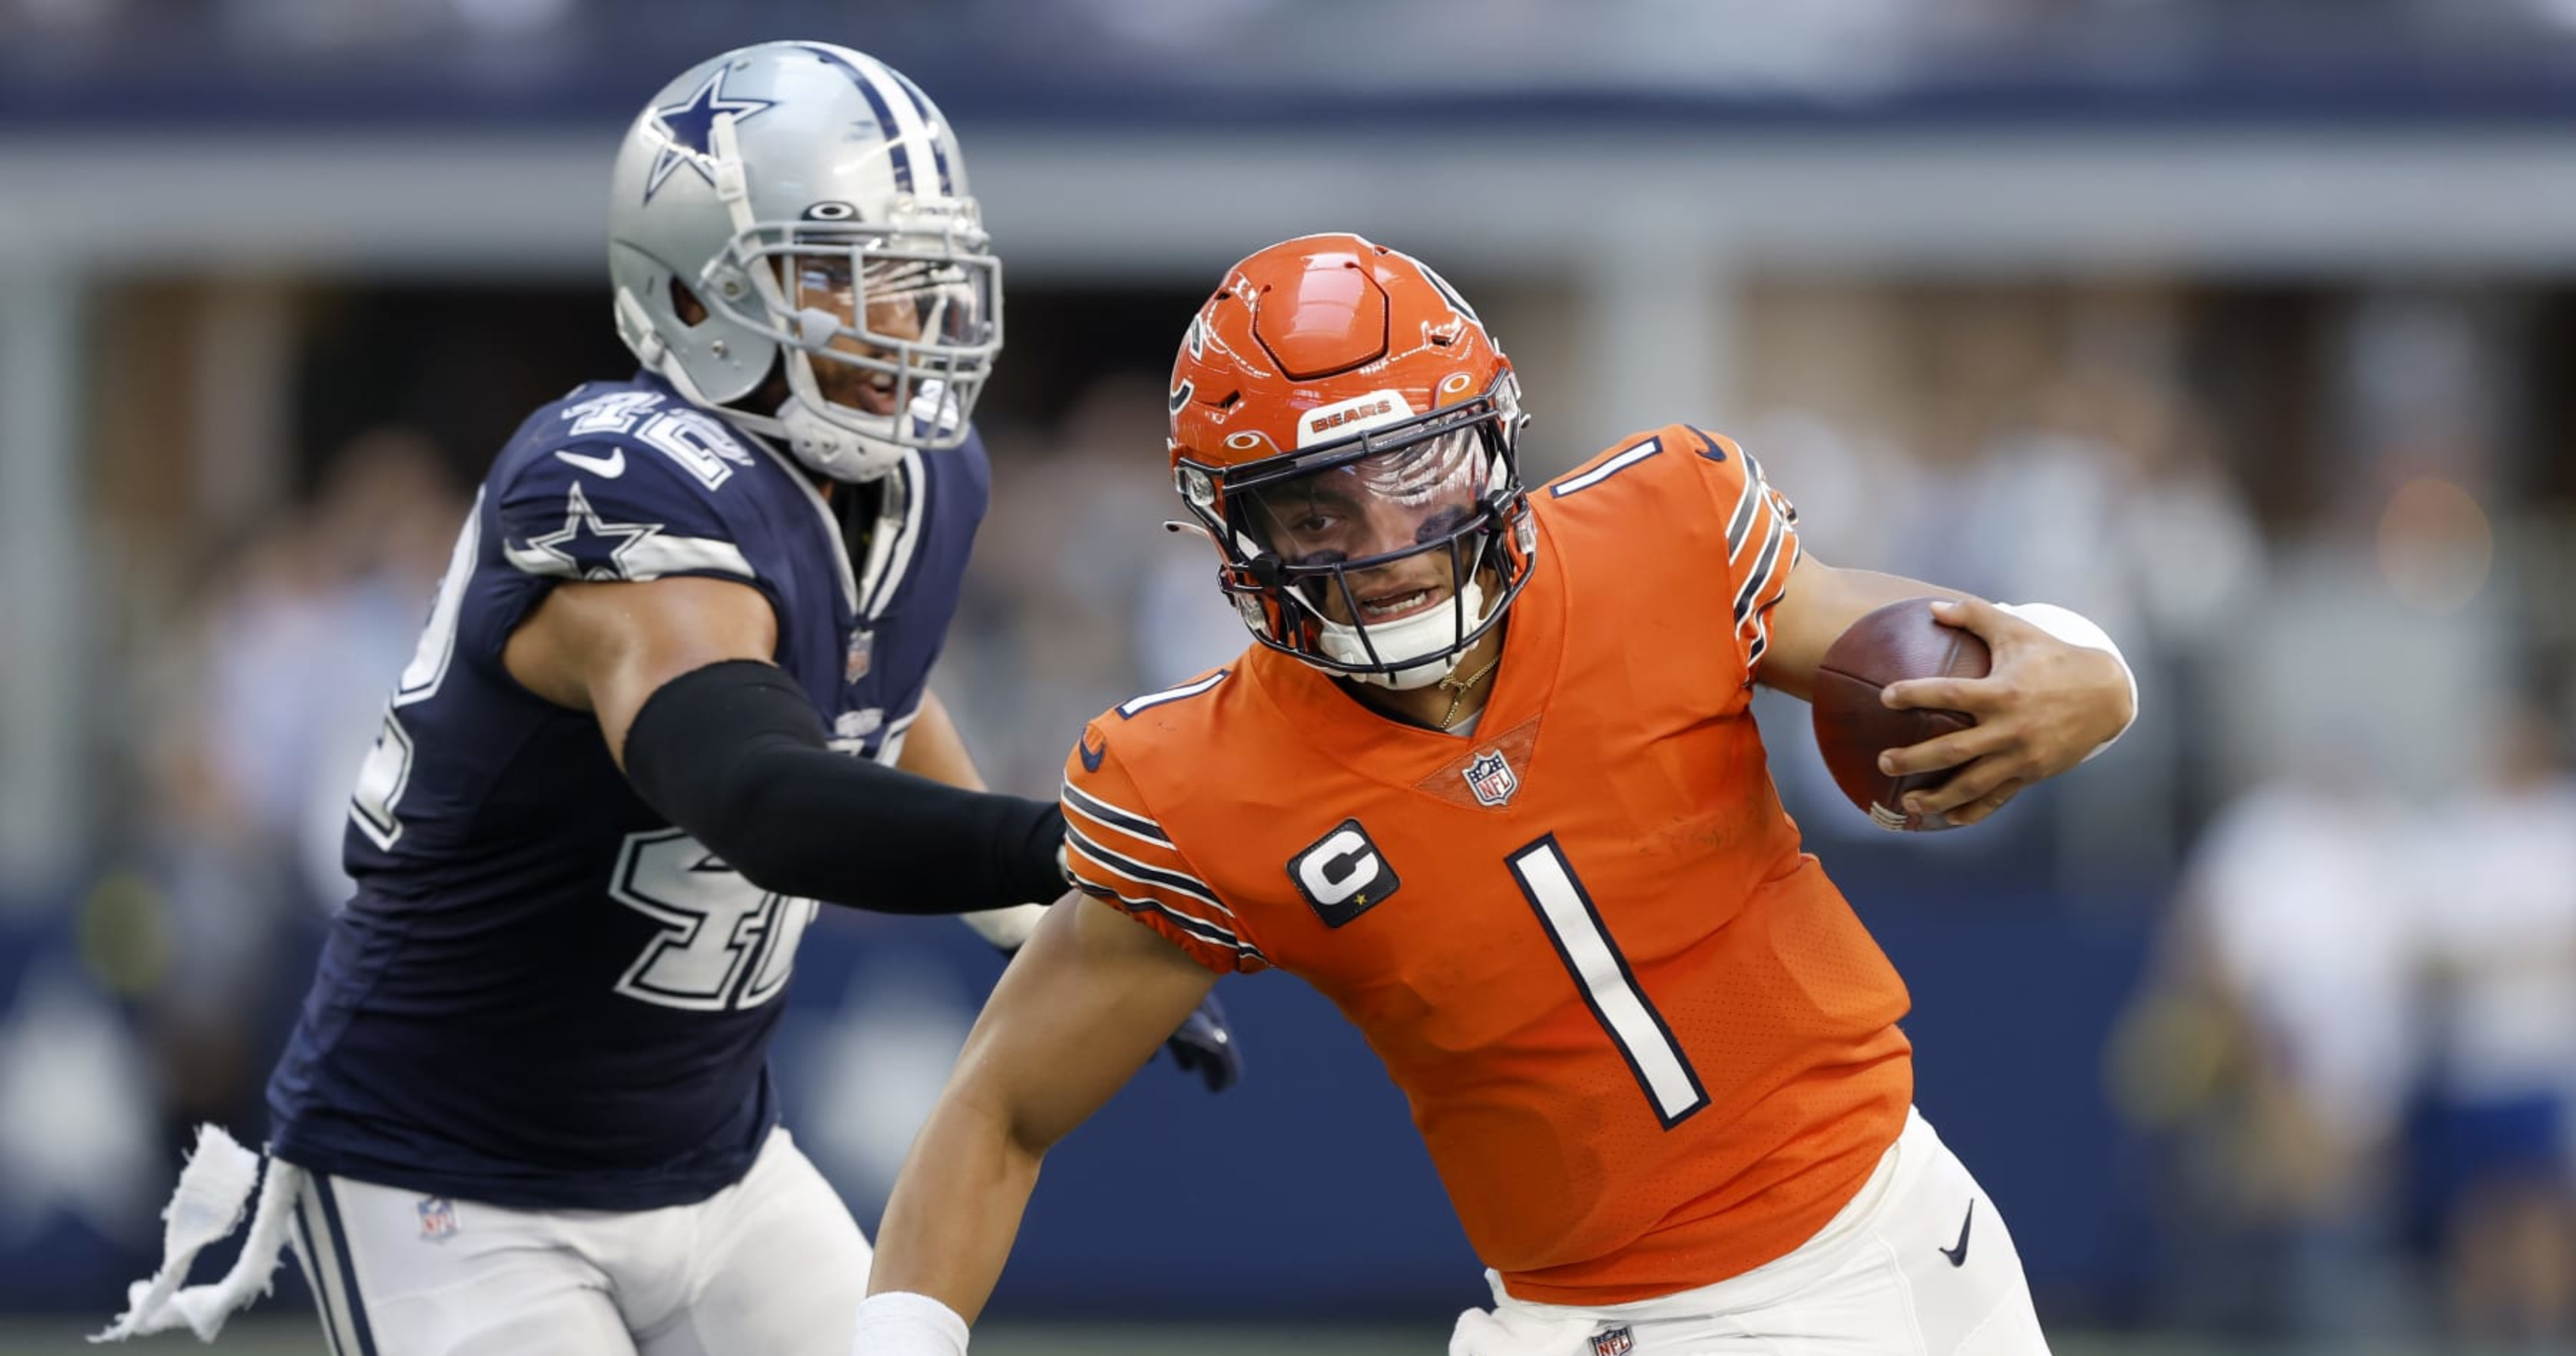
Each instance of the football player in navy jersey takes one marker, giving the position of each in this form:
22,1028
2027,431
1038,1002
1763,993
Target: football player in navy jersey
672,693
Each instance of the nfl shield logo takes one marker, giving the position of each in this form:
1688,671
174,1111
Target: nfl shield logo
1490,777
1616,1342
863,648
437,1219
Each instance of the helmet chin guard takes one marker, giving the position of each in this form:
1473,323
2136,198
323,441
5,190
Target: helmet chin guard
839,443
841,453
1430,634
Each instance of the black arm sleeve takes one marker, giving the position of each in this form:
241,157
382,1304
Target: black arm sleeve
735,754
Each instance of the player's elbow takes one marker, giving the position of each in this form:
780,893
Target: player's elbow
735,820
984,1107
1028,1136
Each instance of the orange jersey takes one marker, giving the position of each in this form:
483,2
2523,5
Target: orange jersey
1647,1042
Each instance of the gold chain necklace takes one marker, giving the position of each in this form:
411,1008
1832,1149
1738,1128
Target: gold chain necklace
1459,688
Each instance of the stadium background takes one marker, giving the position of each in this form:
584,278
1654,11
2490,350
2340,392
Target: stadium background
2245,326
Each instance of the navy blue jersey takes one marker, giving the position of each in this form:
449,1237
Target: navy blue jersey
543,994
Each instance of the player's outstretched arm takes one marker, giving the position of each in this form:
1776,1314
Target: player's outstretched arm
710,733
935,750
2056,693
1075,1016
1202,1045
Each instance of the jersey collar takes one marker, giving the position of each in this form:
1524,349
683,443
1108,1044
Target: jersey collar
794,472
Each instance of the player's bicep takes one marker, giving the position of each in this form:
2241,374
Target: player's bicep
1079,1011
606,647
1819,603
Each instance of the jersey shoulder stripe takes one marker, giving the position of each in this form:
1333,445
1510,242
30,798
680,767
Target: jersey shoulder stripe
1110,816
1198,929
1118,863
1757,577
588,546
1748,502
1118,850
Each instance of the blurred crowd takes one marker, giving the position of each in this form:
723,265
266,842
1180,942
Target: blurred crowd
2356,1042
153,52
2350,1056
2348,1065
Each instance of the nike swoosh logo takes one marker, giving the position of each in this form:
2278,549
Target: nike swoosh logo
1091,757
1958,1255
609,467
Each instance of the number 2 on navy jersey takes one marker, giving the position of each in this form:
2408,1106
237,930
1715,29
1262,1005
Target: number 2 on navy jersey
387,771
1565,910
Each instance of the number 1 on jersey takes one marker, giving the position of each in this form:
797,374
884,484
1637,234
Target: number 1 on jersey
1548,880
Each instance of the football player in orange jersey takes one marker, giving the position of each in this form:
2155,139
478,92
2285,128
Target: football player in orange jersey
1490,783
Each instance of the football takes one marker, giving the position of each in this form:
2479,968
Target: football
1898,641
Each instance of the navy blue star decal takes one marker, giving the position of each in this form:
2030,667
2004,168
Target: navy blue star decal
689,125
593,549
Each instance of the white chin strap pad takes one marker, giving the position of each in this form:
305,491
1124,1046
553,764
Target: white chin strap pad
1426,637
833,450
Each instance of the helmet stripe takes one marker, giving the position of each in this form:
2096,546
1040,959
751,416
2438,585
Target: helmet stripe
897,142
938,133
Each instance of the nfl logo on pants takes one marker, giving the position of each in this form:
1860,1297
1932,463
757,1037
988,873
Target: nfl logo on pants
1616,1342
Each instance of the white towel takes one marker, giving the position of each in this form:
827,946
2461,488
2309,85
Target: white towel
204,1210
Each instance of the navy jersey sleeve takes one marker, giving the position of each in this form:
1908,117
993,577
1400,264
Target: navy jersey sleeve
605,510
632,500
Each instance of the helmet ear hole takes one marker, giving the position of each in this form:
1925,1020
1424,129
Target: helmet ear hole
685,304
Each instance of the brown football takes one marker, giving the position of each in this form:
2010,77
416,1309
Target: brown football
1898,641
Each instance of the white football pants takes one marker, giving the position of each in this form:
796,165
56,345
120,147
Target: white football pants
772,1264
1880,1279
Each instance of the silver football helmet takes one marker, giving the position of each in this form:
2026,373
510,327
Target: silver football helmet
808,205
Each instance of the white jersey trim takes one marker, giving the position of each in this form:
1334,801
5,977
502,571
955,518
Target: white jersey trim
1110,816
1607,469
1135,706
1119,864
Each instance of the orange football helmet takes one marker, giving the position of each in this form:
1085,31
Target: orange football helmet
1345,429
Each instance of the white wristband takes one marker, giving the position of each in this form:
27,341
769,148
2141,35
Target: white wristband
2075,628
901,1323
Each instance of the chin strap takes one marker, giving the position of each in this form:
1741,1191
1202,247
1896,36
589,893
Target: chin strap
831,449
635,325
1419,638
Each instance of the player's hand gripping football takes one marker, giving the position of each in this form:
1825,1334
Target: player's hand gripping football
2043,706
1205,1046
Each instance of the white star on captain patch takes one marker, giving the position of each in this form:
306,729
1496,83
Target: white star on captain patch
588,547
